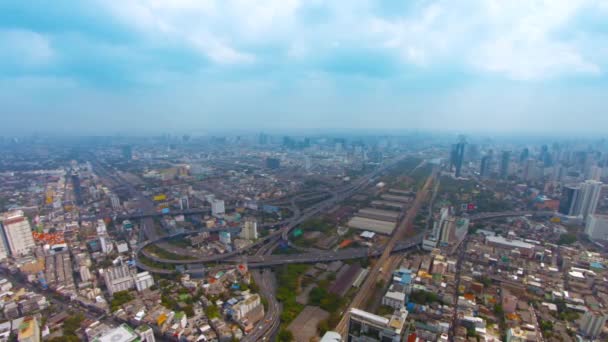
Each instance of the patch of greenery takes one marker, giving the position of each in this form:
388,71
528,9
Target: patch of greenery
119,298
567,239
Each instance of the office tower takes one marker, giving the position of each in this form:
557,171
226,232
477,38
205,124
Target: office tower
484,170
217,207
76,188
184,203
596,227
568,200
118,278
18,233
273,163
115,202
593,322
589,198
457,157
504,164
367,327
250,230
472,152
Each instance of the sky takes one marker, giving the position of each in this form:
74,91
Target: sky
198,66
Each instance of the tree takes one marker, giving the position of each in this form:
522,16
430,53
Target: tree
285,336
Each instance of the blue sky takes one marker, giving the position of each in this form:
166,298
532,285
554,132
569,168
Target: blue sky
148,66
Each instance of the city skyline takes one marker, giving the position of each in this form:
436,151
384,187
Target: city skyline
191,66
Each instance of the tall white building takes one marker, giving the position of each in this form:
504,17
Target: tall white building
242,308
118,278
115,202
588,198
217,207
592,323
250,230
143,280
18,233
596,227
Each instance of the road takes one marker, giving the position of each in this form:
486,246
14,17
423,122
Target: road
382,265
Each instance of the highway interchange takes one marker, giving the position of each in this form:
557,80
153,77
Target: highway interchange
262,259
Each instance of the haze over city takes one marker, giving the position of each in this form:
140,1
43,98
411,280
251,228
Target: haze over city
139,67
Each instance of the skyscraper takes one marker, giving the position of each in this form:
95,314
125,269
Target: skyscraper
589,198
484,170
18,233
457,157
504,164
568,200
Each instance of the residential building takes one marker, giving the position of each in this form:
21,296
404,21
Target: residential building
596,227
115,202
242,308
18,233
593,322
143,280
29,330
118,278
217,207
250,229
367,327
146,334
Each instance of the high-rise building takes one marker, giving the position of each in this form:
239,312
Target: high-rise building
596,227
18,233
367,327
484,169
250,229
589,198
143,280
593,323
118,278
184,203
568,200
504,164
457,157
217,207
115,202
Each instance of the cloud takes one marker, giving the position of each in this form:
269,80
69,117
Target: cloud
24,48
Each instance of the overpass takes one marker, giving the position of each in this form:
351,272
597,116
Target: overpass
261,260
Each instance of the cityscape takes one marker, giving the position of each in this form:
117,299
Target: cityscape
304,171
302,238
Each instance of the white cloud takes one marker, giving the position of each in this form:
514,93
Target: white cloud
25,48
519,39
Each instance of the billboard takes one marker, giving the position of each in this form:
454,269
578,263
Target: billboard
160,197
